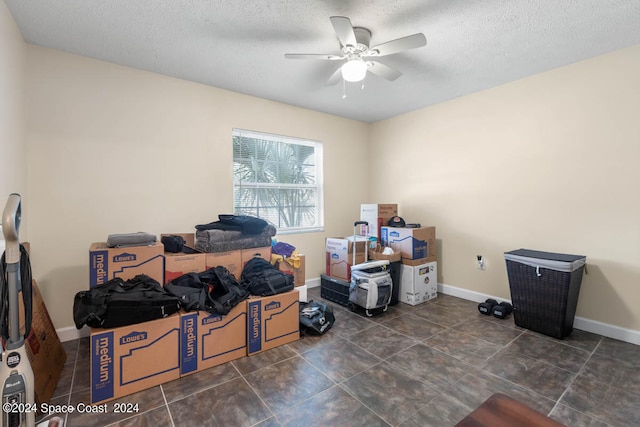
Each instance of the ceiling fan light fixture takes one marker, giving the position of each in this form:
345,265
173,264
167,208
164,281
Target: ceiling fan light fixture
354,70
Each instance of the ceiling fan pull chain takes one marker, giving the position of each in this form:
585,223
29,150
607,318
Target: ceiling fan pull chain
344,89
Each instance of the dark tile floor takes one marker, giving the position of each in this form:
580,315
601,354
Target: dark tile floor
428,365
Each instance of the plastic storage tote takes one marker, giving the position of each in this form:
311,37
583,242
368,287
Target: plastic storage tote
544,290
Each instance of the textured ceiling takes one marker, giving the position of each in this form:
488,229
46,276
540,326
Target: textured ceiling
240,45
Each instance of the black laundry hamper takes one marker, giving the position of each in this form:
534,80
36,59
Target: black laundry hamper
544,290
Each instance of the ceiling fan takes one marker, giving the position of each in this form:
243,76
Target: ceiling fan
358,55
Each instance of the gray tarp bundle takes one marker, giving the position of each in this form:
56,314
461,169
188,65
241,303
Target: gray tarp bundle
130,239
552,261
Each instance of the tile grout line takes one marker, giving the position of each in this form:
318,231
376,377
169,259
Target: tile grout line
73,379
164,397
582,368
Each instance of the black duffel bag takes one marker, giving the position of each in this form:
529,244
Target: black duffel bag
316,317
215,290
263,279
119,303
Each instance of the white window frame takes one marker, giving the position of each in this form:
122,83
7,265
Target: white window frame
318,185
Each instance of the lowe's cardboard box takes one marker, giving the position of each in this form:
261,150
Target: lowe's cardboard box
262,252
419,283
131,358
231,260
412,243
106,263
177,264
209,340
377,215
272,321
339,256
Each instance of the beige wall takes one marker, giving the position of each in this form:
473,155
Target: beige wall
550,162
13,174
116,150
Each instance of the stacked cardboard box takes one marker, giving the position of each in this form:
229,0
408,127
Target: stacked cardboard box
339,256
131,358
107,263
416,245
377,215
418,283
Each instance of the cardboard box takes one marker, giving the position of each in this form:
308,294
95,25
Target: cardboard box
263,252
209,340
231,260
339,256
412,243
106,263
131,358
177,264
377,215
298,273
419,261
418,284
44,349
272,321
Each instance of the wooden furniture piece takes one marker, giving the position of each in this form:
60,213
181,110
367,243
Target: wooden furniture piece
502,411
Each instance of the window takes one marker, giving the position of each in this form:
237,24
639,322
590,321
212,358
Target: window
279,179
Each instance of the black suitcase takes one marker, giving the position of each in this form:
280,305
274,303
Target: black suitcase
119,303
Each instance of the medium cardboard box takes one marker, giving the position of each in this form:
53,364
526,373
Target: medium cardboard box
177,264
272,321
263,252
419,284
44,349
231,260
297,273
377,215
209,340
412,243
131,358
106,263
339,256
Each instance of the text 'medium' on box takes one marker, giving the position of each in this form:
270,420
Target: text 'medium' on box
272,321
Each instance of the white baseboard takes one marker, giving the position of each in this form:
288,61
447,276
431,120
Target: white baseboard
313,283
616,332
71,333
588,325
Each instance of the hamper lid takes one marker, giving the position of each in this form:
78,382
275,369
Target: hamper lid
549,260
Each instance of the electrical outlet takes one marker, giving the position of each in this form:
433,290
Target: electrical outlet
481,263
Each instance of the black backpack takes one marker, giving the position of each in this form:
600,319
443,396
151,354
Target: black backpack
119,303
316,318
262,278
215,290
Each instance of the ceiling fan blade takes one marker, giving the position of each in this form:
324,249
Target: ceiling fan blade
398,45
384,71
313,56
335,77
344,30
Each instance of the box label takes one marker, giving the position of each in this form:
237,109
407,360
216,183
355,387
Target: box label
133,337
102,367
124,257
254,327
189,343
99,267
